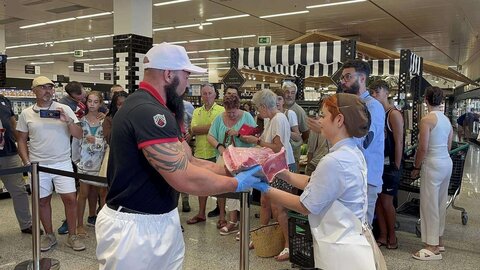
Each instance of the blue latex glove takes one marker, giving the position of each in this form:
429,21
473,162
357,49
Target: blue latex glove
261,186
246,179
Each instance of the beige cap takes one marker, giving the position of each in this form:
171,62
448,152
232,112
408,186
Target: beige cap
356,114
41,80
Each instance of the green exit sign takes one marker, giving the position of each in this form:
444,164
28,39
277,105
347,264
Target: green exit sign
264,40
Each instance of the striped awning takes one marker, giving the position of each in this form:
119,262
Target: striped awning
384,67
415,64
284,59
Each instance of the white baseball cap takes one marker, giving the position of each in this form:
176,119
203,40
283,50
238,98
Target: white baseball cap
167,56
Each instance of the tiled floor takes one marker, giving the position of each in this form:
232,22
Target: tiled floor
206,249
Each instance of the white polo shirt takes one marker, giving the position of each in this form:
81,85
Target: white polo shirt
49,138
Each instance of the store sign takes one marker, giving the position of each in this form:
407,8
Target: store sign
78,53
264,40
233,77
81,67
105,76
30,69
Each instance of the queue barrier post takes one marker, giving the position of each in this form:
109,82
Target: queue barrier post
244,230
37,263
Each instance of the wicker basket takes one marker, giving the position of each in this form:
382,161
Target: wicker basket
268,240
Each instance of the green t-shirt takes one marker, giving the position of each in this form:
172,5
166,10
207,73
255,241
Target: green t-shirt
218,129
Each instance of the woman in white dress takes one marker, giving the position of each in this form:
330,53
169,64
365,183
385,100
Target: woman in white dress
434,165
335,196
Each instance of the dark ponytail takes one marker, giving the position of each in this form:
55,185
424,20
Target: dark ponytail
434,95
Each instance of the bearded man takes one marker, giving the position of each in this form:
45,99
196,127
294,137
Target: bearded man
353,81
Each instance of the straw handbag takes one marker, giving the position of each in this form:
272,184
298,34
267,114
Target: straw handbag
268,240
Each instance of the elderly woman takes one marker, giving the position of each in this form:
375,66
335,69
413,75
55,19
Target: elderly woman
434,165
224,132
335,196
276,134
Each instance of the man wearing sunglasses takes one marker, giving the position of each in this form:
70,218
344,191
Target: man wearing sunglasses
49,126
354,79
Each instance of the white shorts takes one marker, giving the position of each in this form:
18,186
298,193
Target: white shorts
62,184
142,242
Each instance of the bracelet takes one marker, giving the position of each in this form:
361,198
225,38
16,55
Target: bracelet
218,145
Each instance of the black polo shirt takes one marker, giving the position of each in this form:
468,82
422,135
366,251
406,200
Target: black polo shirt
6,113
142,121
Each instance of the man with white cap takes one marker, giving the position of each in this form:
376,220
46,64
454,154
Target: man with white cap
49,126
139,228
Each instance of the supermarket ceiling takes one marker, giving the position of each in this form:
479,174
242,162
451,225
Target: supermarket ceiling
442,31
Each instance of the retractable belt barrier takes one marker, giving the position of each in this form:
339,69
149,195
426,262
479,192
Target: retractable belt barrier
51,264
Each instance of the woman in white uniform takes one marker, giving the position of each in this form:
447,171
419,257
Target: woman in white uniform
433,163
335,196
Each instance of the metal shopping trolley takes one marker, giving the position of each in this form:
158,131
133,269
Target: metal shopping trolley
411,206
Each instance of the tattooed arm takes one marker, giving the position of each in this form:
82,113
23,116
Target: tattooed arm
218,169
171,160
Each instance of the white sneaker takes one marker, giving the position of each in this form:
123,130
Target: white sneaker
75,243
47,241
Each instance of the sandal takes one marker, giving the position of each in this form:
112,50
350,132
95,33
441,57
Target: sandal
231,227
283,256
393,245
195,219
427,255
221,223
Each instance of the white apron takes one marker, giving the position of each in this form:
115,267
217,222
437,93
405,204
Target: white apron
338,242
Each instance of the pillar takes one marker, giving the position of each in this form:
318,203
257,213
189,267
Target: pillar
132,28
3,57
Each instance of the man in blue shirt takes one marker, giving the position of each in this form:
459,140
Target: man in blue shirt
354,80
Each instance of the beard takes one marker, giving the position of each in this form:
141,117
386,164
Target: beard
352,89
174,101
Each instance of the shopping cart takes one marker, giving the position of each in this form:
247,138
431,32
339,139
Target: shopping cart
411,206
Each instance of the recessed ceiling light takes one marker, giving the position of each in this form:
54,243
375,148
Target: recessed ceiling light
61,20
218,57
163,28
227,17
234,37
213,50
94,15
32,25
203,40
42,63
170,2
191,25
284,14
336,3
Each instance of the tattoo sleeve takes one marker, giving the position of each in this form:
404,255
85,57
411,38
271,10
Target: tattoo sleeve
169,157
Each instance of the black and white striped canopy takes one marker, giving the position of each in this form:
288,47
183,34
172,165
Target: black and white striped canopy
319,59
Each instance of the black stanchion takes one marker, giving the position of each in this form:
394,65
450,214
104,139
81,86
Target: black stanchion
37,263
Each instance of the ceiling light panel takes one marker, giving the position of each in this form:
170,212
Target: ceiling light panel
94,15
336,3
191,25
170,2
66,20
284,14
235,37
203,40
227,17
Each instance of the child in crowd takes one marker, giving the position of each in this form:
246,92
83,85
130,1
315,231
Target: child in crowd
88,153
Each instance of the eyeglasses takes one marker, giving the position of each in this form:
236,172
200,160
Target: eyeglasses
46,87
347,77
